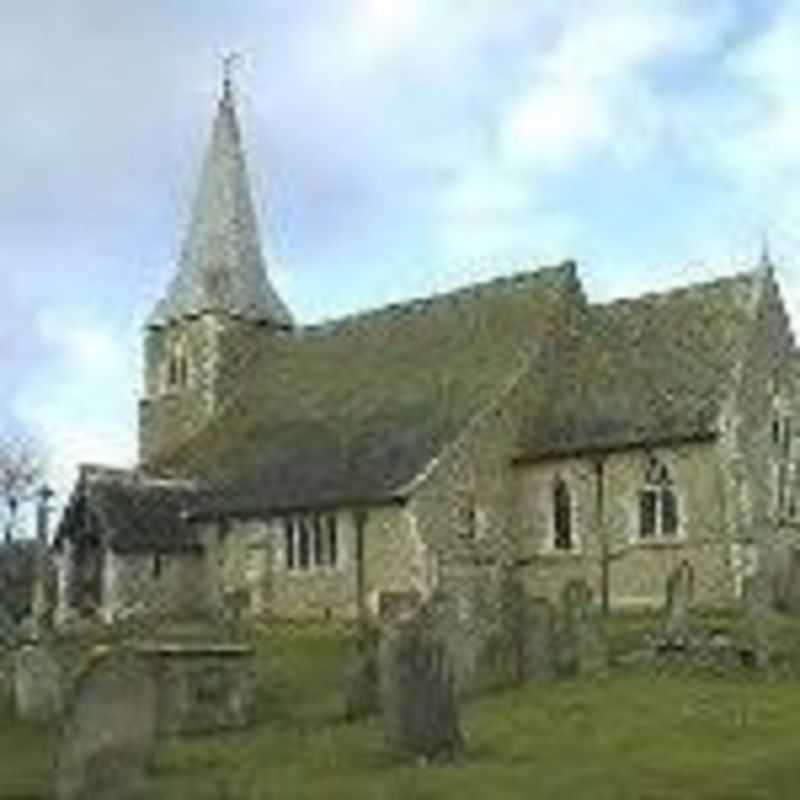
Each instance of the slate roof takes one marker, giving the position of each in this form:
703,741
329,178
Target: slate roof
221,266
129,512
351,411
648,370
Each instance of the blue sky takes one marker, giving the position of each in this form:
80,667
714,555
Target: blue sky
396,148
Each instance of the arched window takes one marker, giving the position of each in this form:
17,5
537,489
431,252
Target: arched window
562,516
658,502
177,365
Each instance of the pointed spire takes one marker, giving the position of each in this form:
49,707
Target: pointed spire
221,267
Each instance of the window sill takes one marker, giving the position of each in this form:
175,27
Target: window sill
660,542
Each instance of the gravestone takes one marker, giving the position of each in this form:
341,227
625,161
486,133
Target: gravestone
581,647
418,697
39,683
539,661
108,736
761,619
202,687
677,609
361,679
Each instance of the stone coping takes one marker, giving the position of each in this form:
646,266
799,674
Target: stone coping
193,649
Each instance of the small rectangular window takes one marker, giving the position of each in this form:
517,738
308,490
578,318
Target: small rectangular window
787,437
333,543
304,556
289,543
158,565
648,501
319,554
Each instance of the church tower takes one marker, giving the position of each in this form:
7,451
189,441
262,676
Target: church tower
220,302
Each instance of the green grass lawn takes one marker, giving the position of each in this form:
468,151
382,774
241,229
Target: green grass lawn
630,737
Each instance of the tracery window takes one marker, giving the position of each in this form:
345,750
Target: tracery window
658,503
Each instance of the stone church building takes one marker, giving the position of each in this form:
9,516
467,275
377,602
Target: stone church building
321,471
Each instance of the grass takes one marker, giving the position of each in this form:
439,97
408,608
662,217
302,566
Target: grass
629,737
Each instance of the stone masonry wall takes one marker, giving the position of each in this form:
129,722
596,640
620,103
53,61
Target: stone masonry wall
640,566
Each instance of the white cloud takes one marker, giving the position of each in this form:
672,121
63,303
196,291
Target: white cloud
82,406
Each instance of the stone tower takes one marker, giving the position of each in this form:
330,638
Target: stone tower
220,303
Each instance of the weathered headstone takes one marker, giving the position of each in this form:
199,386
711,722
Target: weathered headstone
203,687
418,696
679,596
539,661
761,619
39,686
361,678
107,739
582,647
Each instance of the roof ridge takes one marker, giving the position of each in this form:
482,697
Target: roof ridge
418,304
694,286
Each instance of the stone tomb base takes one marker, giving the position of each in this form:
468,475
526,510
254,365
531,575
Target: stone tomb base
202,687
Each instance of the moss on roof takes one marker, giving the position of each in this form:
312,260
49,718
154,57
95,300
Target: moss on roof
352,410
646,370
129,512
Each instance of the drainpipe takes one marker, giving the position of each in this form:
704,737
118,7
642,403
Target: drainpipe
605,545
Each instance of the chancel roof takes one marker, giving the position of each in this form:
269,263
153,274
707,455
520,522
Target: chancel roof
652,369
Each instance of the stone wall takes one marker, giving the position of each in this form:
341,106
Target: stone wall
605,498
136,584
250,558
218,350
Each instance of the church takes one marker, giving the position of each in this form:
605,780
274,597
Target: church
314,472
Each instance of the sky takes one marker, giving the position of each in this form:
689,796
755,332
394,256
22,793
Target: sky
396,148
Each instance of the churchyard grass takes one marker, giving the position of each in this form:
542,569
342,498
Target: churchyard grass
633,735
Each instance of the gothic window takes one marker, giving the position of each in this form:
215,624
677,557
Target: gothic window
289,533
658,503
562,516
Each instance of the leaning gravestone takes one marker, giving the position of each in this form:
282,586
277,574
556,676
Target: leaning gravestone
418,696
361,685
39,685
581,643
679,596
107,738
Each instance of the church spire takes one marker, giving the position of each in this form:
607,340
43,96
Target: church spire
221,267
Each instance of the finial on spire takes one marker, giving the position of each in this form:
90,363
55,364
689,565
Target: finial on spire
766,258
229,62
